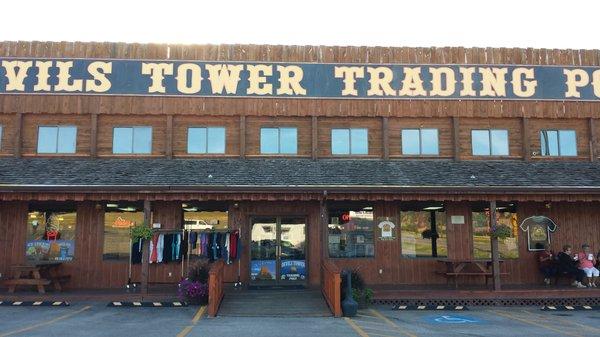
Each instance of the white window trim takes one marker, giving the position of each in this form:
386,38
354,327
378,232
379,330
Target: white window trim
132,139
349,142
207,127
489,131
58,127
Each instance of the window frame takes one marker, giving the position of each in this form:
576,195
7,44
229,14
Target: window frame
279,141
420,140
133,127
206,140
558,142
491,148
351,207
350,152
57,142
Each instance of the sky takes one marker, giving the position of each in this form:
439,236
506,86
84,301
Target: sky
419,23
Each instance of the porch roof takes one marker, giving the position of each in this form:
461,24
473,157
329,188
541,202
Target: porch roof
303,174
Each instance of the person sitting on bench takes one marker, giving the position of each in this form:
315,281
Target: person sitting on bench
567,265
546,262
586,263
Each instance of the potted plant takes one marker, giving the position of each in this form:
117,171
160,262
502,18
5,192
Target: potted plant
194,288
361,294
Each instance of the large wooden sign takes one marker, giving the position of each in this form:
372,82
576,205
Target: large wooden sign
297,80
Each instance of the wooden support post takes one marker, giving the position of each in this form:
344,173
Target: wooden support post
146,247
525,139
592,139
169,140
324,228
495,251
386,138
18,133
456,138
242,137
94,135
315,137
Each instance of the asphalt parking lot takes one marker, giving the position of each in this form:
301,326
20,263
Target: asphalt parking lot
95,319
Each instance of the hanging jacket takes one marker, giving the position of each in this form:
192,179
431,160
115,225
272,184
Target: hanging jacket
160,246
168,248
233,241
227,247
136,252
153,250
193,239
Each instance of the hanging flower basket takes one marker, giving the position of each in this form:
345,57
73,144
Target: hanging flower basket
141,231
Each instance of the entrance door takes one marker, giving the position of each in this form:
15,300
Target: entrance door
278,251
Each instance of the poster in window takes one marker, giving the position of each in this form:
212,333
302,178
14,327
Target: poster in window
50,250
387,229
262,270
538,230
293,270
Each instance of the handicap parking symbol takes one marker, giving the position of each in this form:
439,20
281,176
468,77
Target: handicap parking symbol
451,319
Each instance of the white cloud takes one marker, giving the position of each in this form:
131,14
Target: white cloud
508,23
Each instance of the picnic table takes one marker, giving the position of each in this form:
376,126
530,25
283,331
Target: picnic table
455,268
39,275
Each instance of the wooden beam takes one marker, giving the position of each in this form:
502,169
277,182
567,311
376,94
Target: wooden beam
94,135
592,139
242,137
18,133
386,138
324,228
525,139
146,247
495,251
456,138
315,137
169,140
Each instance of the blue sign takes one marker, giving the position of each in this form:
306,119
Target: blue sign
297,80
293,270
262,270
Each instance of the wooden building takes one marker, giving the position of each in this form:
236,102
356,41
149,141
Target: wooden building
306,179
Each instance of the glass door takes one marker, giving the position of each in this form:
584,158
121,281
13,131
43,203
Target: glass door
278,251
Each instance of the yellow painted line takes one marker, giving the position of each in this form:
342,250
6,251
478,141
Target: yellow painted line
388,321
35,326
507,315
355,327
556,318
198,316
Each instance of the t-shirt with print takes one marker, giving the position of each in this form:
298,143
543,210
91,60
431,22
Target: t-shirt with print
583,260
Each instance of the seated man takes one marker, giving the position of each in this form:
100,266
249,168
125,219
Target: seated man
586,263
567,265
546,262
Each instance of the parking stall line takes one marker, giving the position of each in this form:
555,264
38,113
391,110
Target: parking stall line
388,321
197,317
556,318
524,320
35,326
355,327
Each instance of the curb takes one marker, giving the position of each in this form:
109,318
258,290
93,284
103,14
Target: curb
431,307
34,304
570,307
174,304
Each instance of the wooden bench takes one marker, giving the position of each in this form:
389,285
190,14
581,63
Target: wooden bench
467,267
31,275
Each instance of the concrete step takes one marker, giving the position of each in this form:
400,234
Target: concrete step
274,303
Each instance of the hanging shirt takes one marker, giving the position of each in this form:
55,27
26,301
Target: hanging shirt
226,255
176,247
233,241
193,238
160,246
168,248
136,252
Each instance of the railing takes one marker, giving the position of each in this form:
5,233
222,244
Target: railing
331,287
215,287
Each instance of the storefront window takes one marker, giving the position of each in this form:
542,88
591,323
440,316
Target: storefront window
423,231
51,234
506,217
197,216
118,218
351,232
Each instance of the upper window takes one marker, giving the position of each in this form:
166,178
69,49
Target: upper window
423,229
51,233
350,141
279,140
489,142
206,140
57,139
506,221
350,232
134,140
558,142
420,142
